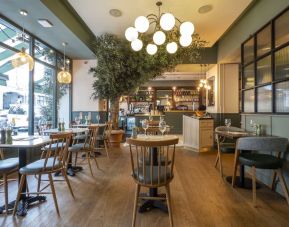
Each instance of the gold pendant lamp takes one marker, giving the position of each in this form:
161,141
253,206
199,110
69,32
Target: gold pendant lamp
64,77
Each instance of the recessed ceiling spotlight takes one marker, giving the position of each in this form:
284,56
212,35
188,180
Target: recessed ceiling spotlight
115,12
45,23
23,12
205,9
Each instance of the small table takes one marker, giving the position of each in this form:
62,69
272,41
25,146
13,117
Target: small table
23,144
241,181
153,192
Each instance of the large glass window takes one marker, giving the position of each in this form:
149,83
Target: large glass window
249,97
264,103
282,63
264,70
43,94
282,97
282,29
14,93
15,88
271,71
264,41
248,51
249,76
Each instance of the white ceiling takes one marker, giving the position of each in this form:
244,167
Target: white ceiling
211,26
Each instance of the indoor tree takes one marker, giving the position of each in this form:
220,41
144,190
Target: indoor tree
120,70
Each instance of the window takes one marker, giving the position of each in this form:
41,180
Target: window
265,74
15,88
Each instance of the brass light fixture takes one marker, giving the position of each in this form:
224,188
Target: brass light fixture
64,77
166,31
22,57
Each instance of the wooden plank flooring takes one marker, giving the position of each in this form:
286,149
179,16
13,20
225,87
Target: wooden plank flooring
199,198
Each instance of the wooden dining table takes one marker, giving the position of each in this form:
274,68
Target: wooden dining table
153,192
23,144
241,181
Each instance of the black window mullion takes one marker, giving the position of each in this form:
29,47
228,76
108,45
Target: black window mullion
31,92
273,64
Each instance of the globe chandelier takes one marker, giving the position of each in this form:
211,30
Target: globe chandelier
64,77
167,30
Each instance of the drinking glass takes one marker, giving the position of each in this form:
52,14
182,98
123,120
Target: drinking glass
77,120
228,123
162,127
145,125
97,118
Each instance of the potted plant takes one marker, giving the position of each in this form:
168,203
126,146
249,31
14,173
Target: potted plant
120,70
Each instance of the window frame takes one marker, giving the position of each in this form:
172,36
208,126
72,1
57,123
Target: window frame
255,60
32,100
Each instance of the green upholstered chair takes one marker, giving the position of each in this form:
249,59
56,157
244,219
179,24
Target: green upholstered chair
264,159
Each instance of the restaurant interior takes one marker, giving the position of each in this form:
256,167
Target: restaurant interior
144,113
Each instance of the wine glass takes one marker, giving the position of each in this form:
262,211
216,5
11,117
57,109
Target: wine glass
97,118
162,127
77,120
150,118
145,125
228,123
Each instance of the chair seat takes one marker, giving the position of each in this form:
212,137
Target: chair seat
78,147
37,166
227,148
164,177
261,161
9,164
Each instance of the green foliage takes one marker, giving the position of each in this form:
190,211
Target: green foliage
120,70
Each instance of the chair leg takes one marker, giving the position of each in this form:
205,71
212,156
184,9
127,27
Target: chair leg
75,159
168,195
96,163
5,192
254,184
22,180
273,180
220,164
283,184
106,148
217,160
53,192
63,171
38,183
88,159
135,204
236,162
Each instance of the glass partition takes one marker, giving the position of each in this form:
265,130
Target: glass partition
264,41
282,97
264,103
282,29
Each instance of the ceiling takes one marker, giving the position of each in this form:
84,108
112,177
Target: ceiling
211,26
54,36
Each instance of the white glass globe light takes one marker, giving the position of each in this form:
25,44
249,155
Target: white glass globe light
187,28
141,24
159,38
172,47
136,45
131,34
167,21
185,40
151,49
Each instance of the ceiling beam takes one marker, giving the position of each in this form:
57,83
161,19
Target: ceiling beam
66,13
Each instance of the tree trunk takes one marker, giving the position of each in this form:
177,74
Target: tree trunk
114,110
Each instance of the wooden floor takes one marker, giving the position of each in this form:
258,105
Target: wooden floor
199,198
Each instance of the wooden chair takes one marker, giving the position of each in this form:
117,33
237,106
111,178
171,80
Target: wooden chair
55,160
157,172
105,136
260,160
7,167
88,146
224,146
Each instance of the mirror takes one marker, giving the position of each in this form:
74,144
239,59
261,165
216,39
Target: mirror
211,92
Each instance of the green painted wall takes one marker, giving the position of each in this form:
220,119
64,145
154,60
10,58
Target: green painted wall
257,16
